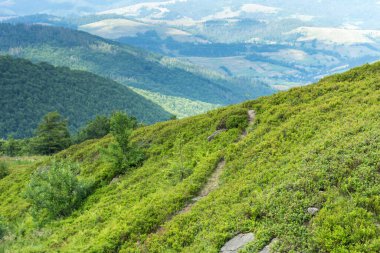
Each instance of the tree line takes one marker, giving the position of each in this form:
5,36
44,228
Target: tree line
52,134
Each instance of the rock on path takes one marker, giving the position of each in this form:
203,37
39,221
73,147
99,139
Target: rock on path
251,116
237,243
267,248
216,133
312,210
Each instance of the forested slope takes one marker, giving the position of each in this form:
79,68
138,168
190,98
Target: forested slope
311,147
29,91
127,65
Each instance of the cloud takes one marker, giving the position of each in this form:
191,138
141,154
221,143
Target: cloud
304,18
339,36
66,1
258,8
76,3
228,12
157,9
225,14
7,3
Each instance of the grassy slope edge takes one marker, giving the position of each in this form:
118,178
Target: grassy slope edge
315,146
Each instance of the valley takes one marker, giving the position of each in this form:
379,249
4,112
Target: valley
127,65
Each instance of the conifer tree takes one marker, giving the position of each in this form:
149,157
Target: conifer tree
52,134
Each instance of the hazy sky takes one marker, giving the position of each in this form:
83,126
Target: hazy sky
23,7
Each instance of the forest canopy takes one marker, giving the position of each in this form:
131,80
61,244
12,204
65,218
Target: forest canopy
29,91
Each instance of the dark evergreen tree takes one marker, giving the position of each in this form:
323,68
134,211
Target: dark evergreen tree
52,134
95,129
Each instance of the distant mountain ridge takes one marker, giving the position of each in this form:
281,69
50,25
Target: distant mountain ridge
125,64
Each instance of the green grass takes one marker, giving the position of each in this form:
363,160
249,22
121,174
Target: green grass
181,107
315,146
13,205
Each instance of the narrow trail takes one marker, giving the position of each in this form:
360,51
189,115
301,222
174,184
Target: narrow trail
241,240
213,182
251,120
251,116
211,185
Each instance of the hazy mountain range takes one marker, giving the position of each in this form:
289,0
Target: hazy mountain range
281,43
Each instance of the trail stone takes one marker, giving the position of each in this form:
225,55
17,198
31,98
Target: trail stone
115,180
251,116
267,248
312,210
216,133
237,243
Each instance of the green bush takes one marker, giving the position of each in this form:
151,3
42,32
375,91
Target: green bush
4,171
237,121
122,153
16,147
10,146
55,191
338,229
3,228
95,129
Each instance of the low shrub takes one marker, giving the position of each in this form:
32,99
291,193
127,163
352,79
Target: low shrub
237,121
55,191
3,229
4,171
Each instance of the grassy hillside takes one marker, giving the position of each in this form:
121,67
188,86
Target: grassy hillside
29,91
181,107
311,147
127,65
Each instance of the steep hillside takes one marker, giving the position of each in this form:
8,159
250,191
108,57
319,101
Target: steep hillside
29,91
298,171
127,65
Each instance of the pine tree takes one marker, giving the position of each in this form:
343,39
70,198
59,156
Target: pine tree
52,134
95,129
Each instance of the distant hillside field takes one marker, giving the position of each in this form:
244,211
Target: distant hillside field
29,91
297,171
127,65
